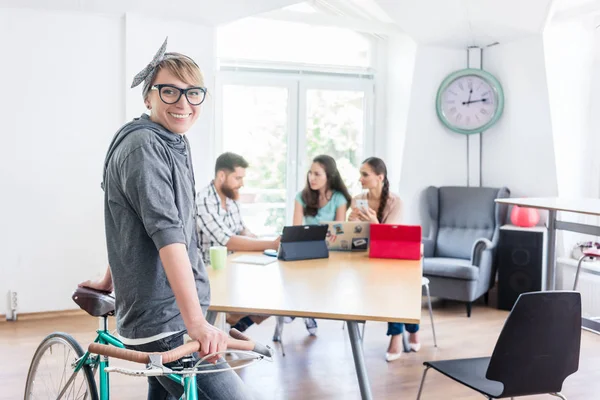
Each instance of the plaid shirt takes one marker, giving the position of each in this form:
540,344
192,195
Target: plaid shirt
216,225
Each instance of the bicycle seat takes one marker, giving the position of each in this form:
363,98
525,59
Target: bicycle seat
95,302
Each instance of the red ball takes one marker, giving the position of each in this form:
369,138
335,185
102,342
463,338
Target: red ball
524,217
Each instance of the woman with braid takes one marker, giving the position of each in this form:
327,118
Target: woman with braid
384,208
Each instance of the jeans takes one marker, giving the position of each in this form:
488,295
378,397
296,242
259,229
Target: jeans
225,385
395,328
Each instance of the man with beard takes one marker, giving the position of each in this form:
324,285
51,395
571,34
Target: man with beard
220,221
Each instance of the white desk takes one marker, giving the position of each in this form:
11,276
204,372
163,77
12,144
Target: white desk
346,286
553,205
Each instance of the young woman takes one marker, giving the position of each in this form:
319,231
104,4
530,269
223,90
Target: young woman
324,198
159,279
384,208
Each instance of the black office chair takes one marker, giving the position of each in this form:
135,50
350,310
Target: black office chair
537,349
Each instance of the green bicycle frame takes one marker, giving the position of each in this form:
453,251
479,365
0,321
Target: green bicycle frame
104,337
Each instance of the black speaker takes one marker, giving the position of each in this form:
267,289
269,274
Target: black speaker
520,261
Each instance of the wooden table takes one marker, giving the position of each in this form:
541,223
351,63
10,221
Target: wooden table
346,286
553,205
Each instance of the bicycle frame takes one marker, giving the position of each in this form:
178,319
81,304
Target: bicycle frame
104,337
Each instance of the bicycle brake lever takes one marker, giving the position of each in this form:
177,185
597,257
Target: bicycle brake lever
156,363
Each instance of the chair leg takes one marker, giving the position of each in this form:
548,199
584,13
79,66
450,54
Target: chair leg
362,335
278,333
577,272
469,304
422,383
559,395
431,314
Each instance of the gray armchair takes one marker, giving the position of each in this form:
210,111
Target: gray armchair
464,225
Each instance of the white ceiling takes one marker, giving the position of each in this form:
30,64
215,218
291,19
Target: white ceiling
453,23
461,23
208,12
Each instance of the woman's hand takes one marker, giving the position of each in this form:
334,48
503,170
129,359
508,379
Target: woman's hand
353,215
369,216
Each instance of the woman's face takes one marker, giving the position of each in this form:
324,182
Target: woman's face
317,178
368,178
178,117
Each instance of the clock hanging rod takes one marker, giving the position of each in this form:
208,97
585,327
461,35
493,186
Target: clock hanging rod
477,64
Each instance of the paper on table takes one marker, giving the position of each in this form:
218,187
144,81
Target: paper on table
258,259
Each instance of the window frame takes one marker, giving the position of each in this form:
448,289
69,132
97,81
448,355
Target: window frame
297,83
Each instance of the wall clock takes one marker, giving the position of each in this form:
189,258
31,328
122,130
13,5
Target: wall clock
469,101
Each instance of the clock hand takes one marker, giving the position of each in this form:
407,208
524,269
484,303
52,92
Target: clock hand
469,99
473,101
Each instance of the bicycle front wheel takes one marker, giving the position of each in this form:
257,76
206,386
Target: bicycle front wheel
51,373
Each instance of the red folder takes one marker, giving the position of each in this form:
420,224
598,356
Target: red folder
395,241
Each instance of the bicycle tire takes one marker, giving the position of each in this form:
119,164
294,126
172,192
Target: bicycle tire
67,341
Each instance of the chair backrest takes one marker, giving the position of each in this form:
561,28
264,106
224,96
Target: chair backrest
539,344
461,215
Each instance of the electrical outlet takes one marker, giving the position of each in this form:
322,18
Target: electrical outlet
12,303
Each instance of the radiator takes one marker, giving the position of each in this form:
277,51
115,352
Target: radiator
589,283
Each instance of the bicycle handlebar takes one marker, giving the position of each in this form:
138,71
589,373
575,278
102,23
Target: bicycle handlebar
237,341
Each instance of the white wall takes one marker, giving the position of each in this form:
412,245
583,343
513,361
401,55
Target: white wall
569,48
572,65
394,92
68,81
517,152
64,74
432,154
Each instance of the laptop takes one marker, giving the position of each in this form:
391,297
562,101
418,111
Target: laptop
347,236
395,241
303,242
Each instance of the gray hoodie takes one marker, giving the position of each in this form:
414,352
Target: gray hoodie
149,203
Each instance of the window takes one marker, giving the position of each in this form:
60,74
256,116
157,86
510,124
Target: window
255,125
335,125
307,91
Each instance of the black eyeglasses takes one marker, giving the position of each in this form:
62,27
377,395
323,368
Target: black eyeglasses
170,94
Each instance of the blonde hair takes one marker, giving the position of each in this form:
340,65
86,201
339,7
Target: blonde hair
182,67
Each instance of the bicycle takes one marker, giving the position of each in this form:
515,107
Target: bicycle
77,364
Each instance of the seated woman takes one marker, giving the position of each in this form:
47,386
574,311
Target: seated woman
324,198
384,208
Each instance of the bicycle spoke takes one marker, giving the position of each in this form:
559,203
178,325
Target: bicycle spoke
82,386
64,368
47,390
52,375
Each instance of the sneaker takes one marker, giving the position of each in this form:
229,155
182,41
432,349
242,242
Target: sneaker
243,324
311,326
288,320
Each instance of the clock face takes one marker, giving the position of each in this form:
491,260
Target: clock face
469,101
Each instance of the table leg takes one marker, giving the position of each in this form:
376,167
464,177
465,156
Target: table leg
551,252
359,361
